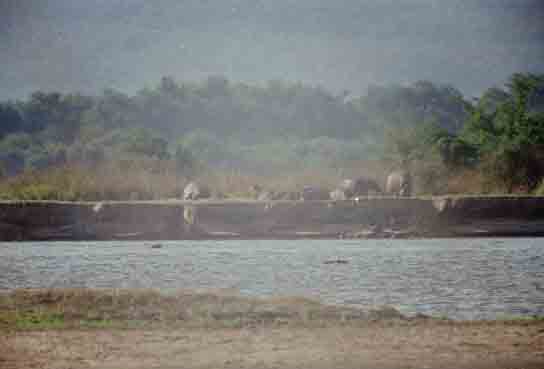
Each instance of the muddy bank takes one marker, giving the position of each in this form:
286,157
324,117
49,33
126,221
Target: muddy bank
377,217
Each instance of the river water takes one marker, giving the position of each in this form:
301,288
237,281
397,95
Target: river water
456,278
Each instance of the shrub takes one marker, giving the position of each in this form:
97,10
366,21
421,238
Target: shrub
539,190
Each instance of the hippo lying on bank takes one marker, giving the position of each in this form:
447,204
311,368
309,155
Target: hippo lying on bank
399,183
338,195
196,191
351,188
281,195
310,193
258,193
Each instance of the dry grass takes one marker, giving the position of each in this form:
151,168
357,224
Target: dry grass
155,179
205,330
113,181
58,308
468,181
378,344
151,179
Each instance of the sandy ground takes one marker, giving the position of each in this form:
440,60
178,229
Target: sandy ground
374,345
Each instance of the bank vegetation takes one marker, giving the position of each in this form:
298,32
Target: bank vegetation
279,135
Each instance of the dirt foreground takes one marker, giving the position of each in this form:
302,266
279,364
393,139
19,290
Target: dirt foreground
377,345
62,329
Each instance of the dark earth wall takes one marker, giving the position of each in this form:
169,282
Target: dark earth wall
367,218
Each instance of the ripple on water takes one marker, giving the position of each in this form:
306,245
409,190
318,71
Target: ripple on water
465,278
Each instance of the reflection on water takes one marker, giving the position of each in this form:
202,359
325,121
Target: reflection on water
464,278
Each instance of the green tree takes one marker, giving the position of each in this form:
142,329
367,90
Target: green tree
185,160
143,142
10,119
509,133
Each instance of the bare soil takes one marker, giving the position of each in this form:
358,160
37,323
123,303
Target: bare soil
48,329
420,344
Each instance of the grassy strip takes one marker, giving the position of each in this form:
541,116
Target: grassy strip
154,179
86,308
50,320
157,181
518,318
111,308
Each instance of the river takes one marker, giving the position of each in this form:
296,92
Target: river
455,278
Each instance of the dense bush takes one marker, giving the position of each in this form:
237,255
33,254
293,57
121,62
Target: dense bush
509,132
503,137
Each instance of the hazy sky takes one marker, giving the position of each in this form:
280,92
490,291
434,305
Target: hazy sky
88,45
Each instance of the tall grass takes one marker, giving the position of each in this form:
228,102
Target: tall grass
159,179
111,181
56,308
152,179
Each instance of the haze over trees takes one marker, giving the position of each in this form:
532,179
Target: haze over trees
220,122
278,127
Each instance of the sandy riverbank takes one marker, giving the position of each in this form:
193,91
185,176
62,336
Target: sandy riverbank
143,329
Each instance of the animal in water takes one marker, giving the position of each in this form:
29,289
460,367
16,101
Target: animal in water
196,191
335,261
399,183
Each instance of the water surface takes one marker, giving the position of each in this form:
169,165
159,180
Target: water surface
463,278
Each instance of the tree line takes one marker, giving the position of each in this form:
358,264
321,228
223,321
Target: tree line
220,123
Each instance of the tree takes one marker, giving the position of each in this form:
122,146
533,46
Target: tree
185,161
10,119
509,133
41,110
143,142
456,152
422,102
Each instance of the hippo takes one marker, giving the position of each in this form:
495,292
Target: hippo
399,183
259,193
338,195
359,187
196,191
287,195
266,196
255,191
310,193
